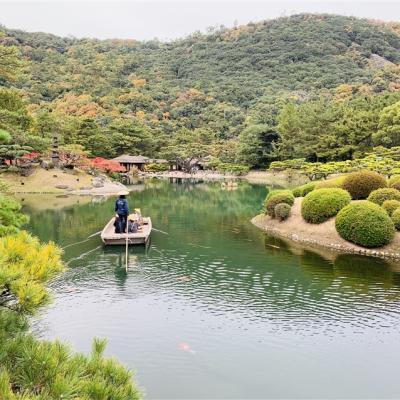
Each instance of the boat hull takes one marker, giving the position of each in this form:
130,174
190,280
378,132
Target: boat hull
110,238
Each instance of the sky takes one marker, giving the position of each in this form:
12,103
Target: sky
167,20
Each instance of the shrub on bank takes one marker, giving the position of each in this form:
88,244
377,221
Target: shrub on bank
396,218
297,192
156,167
390,206
322,204
380,195
11,218
365,223
303,190
275,197
331,183
360,184
282,211
394,182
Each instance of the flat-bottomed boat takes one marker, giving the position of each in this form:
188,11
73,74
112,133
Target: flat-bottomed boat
109,237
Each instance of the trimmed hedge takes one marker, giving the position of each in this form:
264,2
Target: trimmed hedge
331,183
322,204
275,197
394,182
380,195
360,184
390,206
365,223
396,218
303,190
282,211
297,192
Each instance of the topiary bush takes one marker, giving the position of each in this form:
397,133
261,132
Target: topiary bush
275,197
297,192
307,188
365,223
396,218
360,184
303,190
380,195
322,204
282,211
394,182
331,183
390,206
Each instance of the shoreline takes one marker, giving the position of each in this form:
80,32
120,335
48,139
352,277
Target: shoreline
61,182
266,177
205,175
322,235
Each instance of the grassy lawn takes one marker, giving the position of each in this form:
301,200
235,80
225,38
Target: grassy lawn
42,181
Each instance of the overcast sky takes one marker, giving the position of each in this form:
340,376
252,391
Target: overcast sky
167,19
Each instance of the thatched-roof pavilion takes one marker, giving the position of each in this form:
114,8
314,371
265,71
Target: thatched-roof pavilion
128,161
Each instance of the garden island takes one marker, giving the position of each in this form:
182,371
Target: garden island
356,212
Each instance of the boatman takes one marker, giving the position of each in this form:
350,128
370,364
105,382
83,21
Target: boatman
122,209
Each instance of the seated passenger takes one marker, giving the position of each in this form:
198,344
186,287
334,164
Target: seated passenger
132,224
138,216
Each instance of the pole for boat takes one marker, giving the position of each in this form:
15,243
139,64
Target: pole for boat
126,246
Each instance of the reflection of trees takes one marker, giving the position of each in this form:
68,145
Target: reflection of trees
363,273
230,262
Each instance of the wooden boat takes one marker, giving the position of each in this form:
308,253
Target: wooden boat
109,237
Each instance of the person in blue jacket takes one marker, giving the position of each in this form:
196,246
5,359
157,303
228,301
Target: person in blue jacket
122,210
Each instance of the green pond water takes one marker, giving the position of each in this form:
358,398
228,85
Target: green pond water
217,309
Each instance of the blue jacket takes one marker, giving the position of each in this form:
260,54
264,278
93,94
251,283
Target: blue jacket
121,207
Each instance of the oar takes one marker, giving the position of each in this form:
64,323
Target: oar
82,241
158,230
94,234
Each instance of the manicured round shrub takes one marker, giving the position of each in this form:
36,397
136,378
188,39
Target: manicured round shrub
303,190
282,211
307,188
365,223
394,182
396,218
380,195
360,184
390,205
275,197
331,183
322,204
297,192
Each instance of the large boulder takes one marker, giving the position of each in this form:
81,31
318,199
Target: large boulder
98,182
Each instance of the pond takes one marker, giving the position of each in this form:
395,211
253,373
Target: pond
214,308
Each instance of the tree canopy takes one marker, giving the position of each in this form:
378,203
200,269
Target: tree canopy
312,86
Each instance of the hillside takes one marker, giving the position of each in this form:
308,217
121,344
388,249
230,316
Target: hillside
301,52
225,81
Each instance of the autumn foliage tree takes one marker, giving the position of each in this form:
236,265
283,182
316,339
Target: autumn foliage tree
106,166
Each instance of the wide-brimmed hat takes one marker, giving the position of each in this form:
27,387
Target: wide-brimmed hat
123,193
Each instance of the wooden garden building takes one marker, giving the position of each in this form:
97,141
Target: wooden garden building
128,162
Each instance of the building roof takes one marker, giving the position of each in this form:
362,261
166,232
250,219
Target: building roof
127,159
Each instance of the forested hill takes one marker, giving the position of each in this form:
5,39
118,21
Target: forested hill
300,52
224,82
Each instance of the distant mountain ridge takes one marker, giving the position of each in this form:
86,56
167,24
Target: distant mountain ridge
301,52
